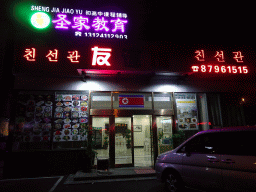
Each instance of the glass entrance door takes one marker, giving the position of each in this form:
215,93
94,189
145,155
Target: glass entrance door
100,137
127,143
133,140
123,141
142,134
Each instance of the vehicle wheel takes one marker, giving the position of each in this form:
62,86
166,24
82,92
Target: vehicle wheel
173,183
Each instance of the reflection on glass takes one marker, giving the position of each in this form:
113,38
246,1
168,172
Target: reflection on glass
123,142
142,140
164,133
100,136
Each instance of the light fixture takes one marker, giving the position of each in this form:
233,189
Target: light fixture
40,20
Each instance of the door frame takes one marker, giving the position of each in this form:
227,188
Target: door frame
112,114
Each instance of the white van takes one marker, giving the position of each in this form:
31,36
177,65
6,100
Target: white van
219,159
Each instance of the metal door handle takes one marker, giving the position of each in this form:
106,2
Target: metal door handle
229,161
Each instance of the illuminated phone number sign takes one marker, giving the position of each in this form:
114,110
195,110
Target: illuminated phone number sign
220,68
84,23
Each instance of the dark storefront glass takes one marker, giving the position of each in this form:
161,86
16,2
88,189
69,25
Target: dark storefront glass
33,120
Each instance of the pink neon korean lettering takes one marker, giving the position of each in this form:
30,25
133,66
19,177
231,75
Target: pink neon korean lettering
30,54
61,23
53,55
100,24
238,57
220,56
80,23
119,24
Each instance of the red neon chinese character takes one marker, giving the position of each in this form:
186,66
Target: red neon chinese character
30,54
101,60
200,55
238,57
53,56
73,56
220,56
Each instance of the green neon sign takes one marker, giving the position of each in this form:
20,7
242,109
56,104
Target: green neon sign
40,20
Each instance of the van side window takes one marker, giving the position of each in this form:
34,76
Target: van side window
205,144
238,143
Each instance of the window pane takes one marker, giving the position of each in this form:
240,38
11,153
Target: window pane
186,106
70,120
123,142
238,143
100,100
204,124
142,140
100,136
163,101
205,144
33,121
164,133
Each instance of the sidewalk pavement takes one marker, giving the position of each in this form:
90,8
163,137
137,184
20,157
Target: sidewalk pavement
113,174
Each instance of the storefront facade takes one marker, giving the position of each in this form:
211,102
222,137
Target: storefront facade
129,99
129,127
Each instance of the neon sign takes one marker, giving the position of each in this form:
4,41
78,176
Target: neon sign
73,56
100,60
82,23
219,69
85,23
30,54
200,55
61,22
40,20
53,56
100,56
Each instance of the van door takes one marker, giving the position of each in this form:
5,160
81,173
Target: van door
238,160
200,168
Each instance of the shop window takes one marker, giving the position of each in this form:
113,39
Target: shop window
203,112
164,133
132,101
33,122
163,101
187,113
4,127
70,120
100,100
46,120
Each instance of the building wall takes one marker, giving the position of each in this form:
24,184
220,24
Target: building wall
137,83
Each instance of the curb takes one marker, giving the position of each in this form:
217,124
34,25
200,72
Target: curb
104,177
